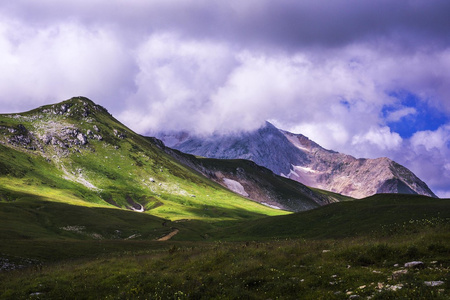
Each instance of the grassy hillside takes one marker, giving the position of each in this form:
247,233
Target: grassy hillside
76,152
381,215
298,264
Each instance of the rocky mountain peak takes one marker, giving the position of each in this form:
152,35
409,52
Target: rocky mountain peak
76,107
266,146
297,157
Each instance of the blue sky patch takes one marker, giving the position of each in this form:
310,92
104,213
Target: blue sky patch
424,117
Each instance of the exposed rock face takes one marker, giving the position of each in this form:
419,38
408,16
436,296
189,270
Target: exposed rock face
297,157
266,147
59,129
20,137
347,175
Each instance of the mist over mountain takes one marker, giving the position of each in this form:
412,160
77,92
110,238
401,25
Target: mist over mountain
265,146
298,158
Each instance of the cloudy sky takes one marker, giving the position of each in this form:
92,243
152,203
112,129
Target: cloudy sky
367,78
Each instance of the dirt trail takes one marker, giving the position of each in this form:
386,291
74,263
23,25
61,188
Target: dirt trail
169,236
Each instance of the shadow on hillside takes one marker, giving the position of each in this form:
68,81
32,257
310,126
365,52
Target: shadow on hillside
221,213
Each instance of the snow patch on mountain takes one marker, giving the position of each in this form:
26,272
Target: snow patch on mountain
235,186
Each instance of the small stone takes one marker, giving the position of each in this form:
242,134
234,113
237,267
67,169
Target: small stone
82,138
414,264
325,251
399,273
395,287
434,283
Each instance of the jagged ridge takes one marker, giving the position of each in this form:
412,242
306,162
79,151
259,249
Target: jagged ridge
297,157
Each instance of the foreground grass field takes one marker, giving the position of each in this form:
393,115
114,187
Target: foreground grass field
363,253
292,269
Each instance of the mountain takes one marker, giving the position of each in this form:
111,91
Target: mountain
266,147
298,158
75,152
87,207
260,184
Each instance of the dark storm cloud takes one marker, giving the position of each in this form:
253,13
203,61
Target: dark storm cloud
285,23
335,23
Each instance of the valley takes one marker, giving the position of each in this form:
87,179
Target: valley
91,210
333,252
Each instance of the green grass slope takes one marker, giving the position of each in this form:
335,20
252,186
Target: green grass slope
75,152
381,214
362,256
34,228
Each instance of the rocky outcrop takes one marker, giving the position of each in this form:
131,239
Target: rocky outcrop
350,176
298,158
77,107
119,134
58,129
20,137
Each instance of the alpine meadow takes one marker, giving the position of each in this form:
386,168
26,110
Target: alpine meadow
90,209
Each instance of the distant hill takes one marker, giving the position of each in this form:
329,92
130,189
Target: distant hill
381,215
